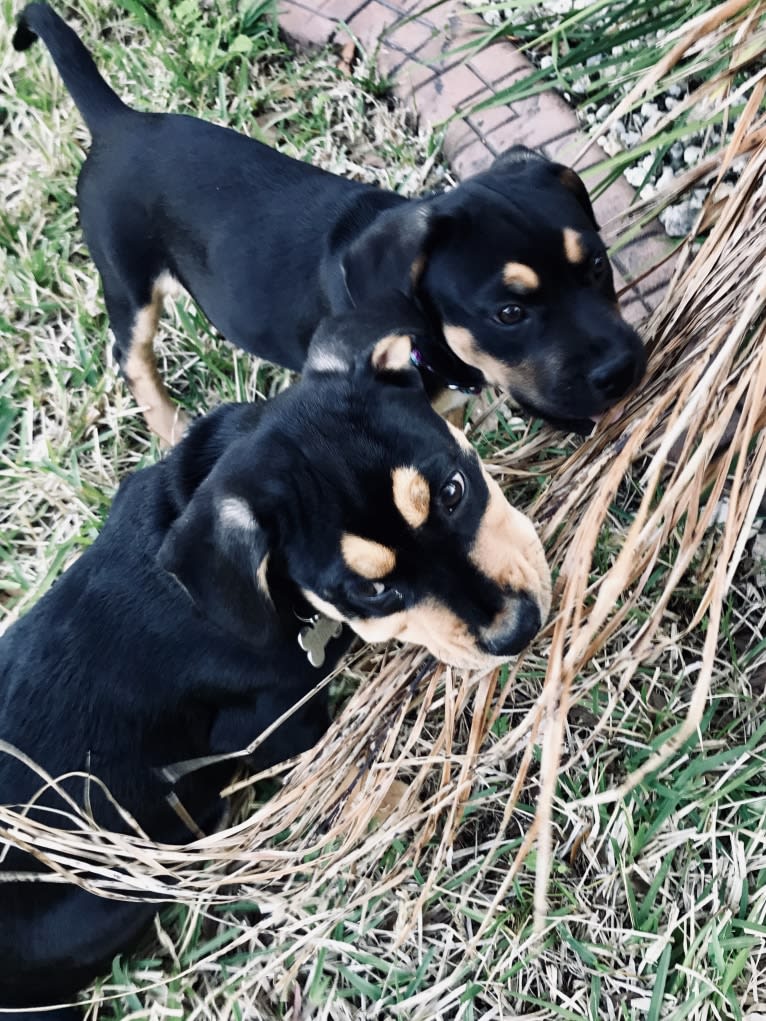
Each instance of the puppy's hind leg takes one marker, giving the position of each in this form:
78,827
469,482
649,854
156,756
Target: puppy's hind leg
134,324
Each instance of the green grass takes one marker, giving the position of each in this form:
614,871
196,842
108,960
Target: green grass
660,911
573,53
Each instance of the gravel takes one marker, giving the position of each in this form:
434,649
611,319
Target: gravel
649,175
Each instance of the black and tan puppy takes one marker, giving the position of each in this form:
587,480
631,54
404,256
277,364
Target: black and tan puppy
206,608
508,266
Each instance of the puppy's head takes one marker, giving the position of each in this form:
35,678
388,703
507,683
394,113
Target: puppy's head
513,273
351,493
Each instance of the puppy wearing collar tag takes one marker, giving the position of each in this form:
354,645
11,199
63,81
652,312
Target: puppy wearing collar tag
314,638
179,636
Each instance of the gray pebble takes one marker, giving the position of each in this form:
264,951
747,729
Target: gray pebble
692,154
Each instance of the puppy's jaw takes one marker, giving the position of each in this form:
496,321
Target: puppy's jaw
466,347
429,625
508,550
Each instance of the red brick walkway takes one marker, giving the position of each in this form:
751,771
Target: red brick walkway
415,48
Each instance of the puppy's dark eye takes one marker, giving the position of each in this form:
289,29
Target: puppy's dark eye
374,596
598,264
452,492
511,314
369,589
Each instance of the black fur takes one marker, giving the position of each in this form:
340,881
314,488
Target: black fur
268,245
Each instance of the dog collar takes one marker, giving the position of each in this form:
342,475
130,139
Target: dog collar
420,362
317,635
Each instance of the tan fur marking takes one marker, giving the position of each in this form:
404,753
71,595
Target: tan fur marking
260,576
461,438
434,626
429,624
520,277
412,495
162,415
367,558
521,379
416,269
508,550
463,343
323,606
392,353
574,248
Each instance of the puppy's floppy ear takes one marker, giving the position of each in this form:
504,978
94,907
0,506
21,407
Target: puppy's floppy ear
331,349
520,159
516,156
573,182
190,463
351,340
391,253
218,553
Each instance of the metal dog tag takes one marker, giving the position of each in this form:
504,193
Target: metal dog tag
314,638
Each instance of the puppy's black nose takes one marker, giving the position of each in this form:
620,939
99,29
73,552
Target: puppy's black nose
614,377
526,624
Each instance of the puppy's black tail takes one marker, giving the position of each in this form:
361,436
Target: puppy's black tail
94,98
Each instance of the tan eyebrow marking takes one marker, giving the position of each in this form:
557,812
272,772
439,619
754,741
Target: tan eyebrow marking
392,353
367,558
574,249
516,274
412,495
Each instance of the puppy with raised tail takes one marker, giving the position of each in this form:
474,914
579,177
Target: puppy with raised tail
508,267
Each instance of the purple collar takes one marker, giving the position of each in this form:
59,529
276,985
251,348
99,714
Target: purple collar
464,386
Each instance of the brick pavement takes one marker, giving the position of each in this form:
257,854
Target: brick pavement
416,48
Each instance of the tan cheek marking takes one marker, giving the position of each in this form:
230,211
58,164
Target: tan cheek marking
507,550
416,269
392,353
162,415
524,380
520,277
461,438
260,575
521,378
323,606
367,558
463,343
429,625
574,249
412,495
432,626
